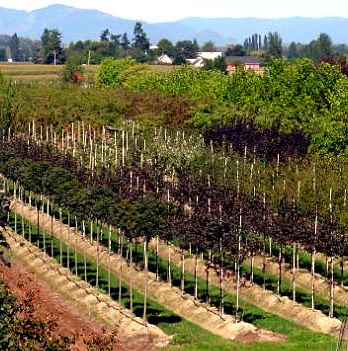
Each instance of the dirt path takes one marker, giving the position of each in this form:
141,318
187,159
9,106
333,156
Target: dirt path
264,299
80,308
170,297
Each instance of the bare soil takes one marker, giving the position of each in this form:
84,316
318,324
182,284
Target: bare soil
170,297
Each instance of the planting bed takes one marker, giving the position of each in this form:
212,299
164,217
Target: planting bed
91,310
166,295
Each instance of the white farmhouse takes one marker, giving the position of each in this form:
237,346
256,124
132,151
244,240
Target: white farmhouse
164,60
204,55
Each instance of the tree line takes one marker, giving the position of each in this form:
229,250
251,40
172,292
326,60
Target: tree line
50,49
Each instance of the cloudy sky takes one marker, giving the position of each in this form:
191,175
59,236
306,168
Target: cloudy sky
160,10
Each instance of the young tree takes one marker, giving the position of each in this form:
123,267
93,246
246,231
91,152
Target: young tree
73,70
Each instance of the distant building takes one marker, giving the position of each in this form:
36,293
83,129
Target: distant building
196,62
203,55
164,60
209,55
249,62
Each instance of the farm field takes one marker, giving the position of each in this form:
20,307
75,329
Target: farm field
209,206
200,340
39,72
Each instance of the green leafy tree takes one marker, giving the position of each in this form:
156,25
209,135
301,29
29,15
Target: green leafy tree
324,46
125,43
216,64
209,46
186,49
105,35
73,71
51,51
140,40
166,47
14,46
115,38
274,45
235,50
3,55
293,53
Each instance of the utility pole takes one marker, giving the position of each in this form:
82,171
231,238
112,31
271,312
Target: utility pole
89,57
54,57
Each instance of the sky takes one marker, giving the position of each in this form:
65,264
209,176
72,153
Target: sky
162,11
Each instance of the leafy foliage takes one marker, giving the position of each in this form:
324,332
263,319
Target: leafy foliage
20,330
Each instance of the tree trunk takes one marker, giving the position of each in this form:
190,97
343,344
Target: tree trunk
97,272
145,283
68,244
130,275
109,275
83,229
294,273
60,241
85,263
312,276
38,221
169,275
196,274
221,279
76,246
157,273
182,271
252,268
238,261
121,270
342,270
279,284
331,287
238,271
208,299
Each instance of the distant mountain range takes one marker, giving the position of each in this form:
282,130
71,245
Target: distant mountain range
80,24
